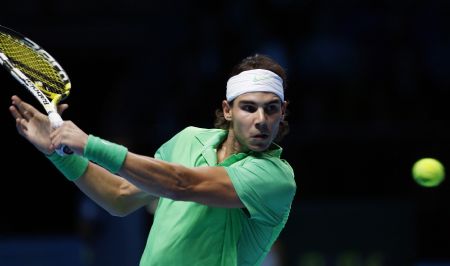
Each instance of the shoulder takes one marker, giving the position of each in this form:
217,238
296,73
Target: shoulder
187,132
265,169
182,137
269,165
193,131
188,136
274,173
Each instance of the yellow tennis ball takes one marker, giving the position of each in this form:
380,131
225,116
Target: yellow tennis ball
428,172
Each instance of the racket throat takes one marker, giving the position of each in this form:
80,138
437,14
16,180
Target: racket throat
55,119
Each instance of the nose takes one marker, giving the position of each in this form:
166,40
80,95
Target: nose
261,118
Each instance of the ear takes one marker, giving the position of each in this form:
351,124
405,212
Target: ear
283,109
226,108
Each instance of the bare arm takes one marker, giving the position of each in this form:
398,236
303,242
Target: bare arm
206,185
111,192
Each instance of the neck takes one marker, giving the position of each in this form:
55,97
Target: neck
230,146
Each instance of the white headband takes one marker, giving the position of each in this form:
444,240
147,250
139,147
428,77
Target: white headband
254,80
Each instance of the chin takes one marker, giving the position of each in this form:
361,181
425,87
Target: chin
259,147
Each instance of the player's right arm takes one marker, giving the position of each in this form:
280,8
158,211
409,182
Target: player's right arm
113,193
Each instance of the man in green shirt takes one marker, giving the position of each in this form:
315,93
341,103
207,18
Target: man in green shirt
225,193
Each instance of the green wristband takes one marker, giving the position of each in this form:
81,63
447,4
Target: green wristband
71,166
104,153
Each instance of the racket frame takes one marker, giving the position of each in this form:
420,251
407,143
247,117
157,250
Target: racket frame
47,99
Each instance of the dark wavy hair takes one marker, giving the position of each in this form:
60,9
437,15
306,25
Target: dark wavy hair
256,61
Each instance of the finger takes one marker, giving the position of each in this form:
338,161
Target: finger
21,126
62,108
54,134
14,112
15,97
23,106
55,141
27,115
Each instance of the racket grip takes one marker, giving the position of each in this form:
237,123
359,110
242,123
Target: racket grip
56,121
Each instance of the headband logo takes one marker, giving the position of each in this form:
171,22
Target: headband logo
257,78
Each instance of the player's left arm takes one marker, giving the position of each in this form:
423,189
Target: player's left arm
206,185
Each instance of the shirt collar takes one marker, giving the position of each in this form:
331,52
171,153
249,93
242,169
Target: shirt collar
211,139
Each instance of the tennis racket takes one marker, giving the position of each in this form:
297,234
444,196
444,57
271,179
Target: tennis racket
37,71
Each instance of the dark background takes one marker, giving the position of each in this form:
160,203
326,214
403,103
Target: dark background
368,85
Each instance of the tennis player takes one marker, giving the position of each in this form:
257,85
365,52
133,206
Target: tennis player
225,193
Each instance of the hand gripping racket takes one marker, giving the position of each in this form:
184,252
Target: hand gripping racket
38,71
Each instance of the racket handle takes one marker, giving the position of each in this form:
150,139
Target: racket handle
56,121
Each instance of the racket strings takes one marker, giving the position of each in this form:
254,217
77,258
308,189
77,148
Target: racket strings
33,64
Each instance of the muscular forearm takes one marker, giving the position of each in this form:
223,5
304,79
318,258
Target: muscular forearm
113,193
205,185
157,177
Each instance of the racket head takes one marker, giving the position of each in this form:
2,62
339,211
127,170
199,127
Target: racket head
36,64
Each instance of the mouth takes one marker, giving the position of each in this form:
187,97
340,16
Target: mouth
261,136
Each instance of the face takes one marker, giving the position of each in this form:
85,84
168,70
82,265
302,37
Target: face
255,118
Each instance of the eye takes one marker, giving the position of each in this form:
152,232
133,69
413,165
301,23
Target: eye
272,108
248,108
